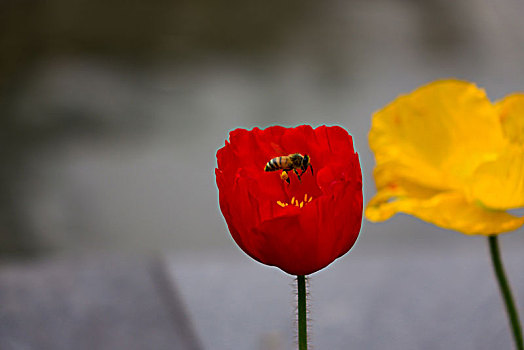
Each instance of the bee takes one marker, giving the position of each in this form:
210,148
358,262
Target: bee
287,163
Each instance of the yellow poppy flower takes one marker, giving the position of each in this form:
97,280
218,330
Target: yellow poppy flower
447,155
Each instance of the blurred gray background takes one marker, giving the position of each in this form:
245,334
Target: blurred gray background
112,111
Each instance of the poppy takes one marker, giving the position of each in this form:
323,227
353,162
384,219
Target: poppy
301,226
449,156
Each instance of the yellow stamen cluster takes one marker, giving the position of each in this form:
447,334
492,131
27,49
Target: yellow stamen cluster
296,202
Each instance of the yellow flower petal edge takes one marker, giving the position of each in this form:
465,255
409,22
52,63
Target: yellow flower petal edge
449,156
511,113
449,210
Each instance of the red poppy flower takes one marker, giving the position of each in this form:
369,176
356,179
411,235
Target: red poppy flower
300,227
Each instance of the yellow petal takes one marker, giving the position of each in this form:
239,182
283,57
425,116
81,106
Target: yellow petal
387,181
449,210
500,184
437,135
511,113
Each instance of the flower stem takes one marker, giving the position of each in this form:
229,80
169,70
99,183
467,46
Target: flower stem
302,317
505,290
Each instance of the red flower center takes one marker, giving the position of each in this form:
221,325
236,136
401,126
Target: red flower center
277,198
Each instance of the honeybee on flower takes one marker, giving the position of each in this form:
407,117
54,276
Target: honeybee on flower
290,162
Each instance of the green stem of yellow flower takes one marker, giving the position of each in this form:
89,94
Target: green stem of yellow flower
505,290
302,317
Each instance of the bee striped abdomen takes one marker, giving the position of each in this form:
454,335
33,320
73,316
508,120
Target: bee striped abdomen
274,164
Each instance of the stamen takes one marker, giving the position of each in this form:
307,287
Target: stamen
296,202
